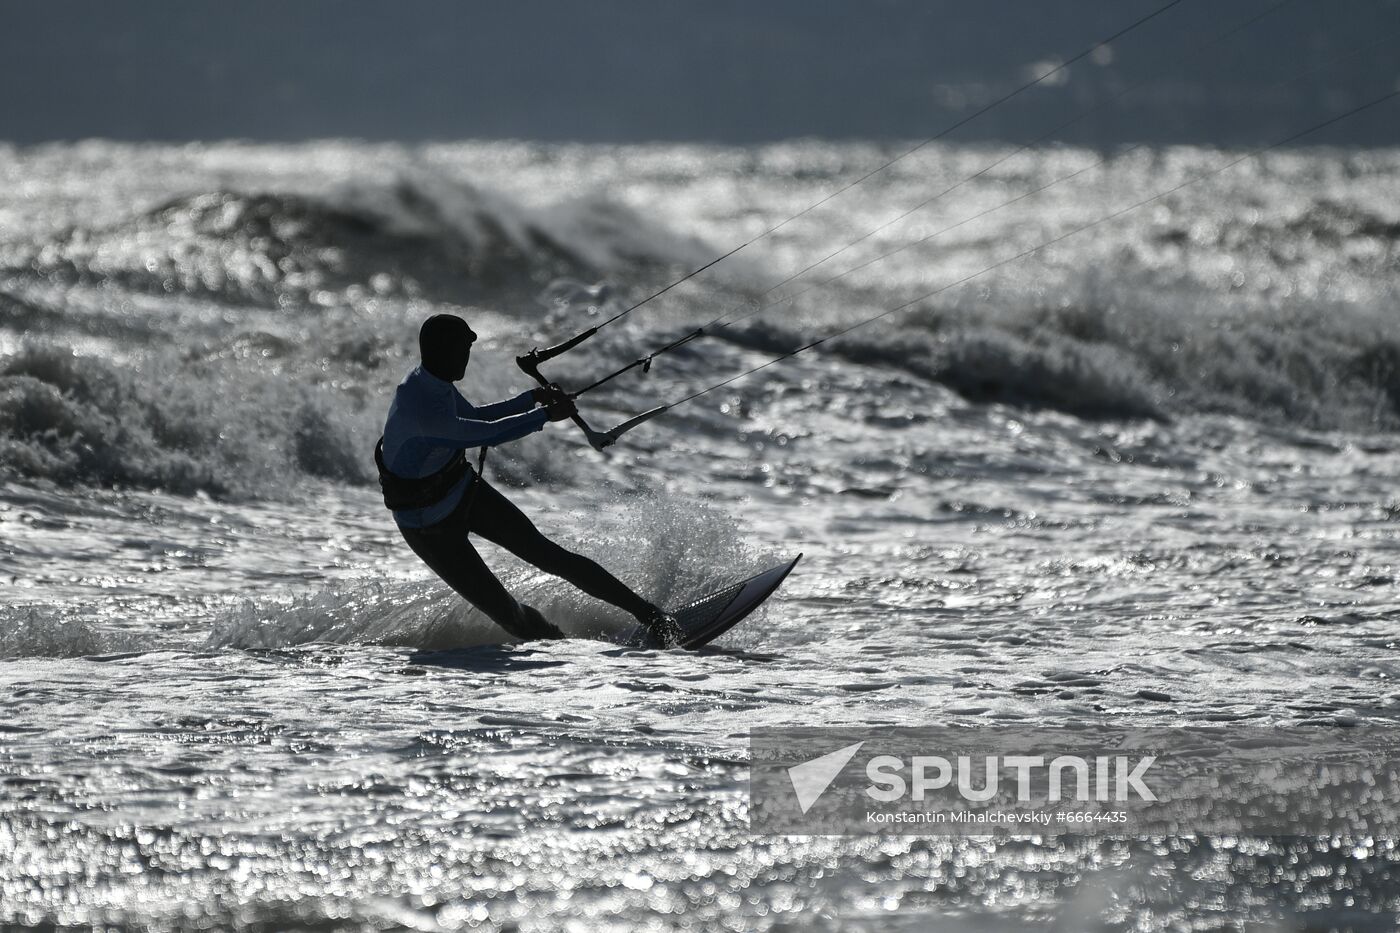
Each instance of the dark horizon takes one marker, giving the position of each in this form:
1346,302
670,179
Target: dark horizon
727,72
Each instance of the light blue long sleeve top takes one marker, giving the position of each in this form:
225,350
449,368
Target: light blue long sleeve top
429,421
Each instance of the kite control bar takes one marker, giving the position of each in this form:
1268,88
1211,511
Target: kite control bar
530,365
599,440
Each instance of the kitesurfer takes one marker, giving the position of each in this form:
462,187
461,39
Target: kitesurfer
438,499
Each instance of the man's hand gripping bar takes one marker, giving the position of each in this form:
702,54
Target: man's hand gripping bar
599,440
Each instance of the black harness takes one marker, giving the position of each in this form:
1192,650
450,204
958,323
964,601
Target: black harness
401,493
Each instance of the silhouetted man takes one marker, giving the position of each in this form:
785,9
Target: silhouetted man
438,499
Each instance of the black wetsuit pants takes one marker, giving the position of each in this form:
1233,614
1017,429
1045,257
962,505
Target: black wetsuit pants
446,548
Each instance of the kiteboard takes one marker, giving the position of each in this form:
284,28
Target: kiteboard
703,620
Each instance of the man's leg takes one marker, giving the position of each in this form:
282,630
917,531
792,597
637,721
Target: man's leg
447,550
496,519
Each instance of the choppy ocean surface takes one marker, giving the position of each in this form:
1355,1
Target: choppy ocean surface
1148,476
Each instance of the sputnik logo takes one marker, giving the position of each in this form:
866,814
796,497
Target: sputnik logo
811,778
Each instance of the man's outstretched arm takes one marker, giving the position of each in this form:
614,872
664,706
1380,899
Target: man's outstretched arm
445,428
496,410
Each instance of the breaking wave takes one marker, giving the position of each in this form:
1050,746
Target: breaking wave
1123,356
421,236
182,425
